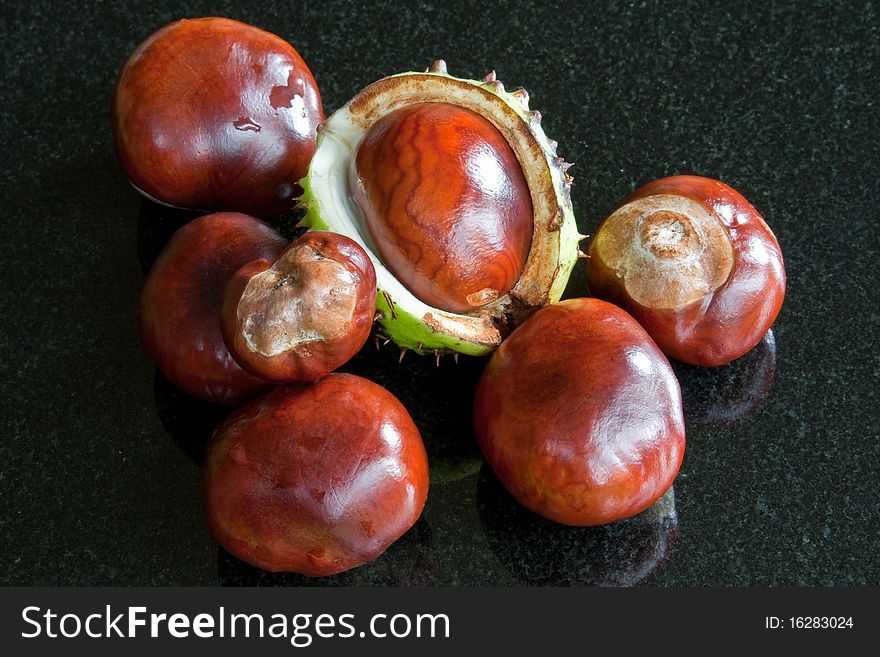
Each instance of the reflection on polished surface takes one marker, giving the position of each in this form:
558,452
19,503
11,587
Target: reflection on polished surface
189,421
542,553
156,224
715,396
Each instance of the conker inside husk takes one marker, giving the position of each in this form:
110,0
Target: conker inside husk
315,478
695,264
460,198
579,414
446,204
214,114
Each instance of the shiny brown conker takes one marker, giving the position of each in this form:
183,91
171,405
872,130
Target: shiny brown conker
445,203
315,478
695,264
303,315
214,114
179,310
579,414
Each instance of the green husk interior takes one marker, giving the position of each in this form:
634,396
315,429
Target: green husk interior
406,320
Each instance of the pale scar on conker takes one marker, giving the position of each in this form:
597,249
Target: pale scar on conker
303,315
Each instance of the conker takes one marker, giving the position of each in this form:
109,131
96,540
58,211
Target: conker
579,414
695,264
315,478
179,310
213,114
441,171
446,204
304,315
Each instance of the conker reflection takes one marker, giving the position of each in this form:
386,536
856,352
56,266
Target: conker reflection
542,553
723,395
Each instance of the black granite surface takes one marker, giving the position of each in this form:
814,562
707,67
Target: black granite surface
99,456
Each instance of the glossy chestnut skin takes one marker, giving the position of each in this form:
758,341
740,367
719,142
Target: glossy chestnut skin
179,310
304,315
213,114
315,478
446,204
734,313
579,414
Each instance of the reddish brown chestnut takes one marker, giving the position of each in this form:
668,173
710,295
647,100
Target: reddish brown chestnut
579,414
695,264
179,311
213,114
304,315
446,204
315,478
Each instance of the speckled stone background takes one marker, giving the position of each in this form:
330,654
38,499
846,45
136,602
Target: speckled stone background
99,458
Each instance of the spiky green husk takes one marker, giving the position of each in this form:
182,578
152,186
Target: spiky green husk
403,318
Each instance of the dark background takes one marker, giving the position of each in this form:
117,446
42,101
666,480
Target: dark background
99,457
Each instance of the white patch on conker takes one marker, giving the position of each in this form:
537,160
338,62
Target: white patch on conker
482,297
669,250
305,297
